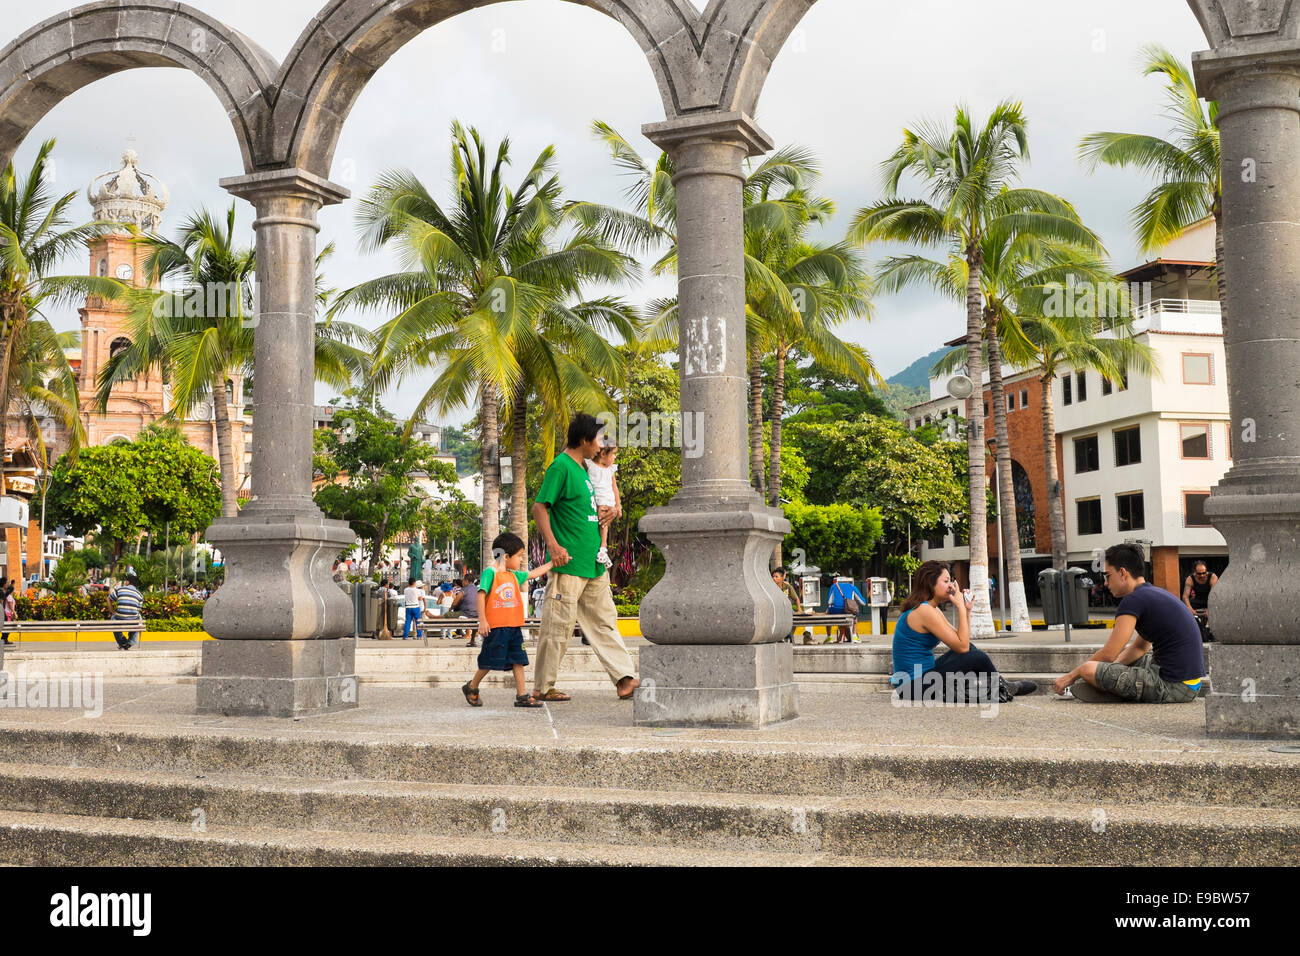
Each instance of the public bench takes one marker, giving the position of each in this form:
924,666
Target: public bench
75,628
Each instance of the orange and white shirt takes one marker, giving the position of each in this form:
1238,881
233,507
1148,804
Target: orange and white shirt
505,597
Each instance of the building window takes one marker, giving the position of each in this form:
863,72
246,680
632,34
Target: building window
1089,516
986,409
1128,446
1086,457
1083,386
1131,513
1194,509
1011,402
1106,386
1195,440
1198,368
1024,398
935,541
1067,395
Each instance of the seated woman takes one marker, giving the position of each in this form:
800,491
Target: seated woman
922,627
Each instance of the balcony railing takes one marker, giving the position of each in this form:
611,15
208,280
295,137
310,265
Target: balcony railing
1178,307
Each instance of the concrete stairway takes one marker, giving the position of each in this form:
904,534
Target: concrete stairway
111,798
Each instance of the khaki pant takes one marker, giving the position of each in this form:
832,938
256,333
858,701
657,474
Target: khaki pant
589,603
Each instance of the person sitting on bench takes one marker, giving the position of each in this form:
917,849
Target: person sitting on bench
922,627
1163,664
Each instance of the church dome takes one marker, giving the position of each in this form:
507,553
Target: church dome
129,196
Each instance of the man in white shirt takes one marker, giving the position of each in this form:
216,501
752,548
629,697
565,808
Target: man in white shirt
413,599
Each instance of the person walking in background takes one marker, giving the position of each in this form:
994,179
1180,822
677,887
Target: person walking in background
845,598
601,469
128,605
565,512
468,608
1196,595
501,597
6,597
413,600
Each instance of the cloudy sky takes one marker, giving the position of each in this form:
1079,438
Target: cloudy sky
540,71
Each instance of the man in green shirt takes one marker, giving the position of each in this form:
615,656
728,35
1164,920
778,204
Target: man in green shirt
565,512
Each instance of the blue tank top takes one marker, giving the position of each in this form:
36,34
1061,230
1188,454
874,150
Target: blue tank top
913,651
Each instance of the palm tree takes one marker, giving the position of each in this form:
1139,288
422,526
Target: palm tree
485,298
199,330
1013,269
34,236
968,174
1188,164
1041,337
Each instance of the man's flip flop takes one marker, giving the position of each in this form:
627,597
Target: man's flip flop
631,694
552,696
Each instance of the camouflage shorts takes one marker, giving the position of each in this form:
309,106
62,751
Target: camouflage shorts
1141,681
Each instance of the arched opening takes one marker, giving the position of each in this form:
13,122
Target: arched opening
1026,517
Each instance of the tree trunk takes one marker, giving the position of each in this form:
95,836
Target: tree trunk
11,315
519,464
490,466
1013,585
1056,508
757,473
778,411
225,448
981,621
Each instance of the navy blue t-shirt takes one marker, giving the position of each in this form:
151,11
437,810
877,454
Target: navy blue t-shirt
1164,622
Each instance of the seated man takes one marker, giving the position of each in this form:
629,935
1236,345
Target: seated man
1164,664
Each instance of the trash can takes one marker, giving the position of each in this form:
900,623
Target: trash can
368,622
396,614
1077,585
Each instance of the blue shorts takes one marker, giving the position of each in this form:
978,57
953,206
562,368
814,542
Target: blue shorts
503,648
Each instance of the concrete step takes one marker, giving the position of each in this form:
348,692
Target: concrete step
1107,780
865,828
40,839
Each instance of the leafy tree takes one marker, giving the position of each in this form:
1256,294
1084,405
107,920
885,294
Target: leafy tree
457,520
876,463
466,449
157,484
815,393
836,538
371,473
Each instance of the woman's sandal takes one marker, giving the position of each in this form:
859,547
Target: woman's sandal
472,696
527,700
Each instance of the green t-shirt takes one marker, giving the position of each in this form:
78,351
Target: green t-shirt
567,492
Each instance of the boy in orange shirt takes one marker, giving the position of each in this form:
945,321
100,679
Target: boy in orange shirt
501,596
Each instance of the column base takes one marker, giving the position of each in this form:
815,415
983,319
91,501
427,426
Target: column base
279,584
277,678
717,587
1254,601
1254,691
749,686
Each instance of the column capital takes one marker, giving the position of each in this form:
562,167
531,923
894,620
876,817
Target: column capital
713,127
1217,70
275,183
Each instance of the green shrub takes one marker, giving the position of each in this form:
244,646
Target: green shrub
628,610
181,623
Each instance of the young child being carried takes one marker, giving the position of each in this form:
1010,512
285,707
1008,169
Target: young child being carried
501,592
601,470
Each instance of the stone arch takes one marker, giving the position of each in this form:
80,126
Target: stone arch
711,61
60,55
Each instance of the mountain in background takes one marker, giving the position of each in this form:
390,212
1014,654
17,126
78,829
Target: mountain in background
917,375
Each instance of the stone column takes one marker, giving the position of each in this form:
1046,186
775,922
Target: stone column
716,620
279,618
1255,608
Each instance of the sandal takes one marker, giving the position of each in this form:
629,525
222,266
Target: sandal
527,700
631,694
472,697
552,695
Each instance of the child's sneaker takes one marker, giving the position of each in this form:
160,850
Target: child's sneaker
603,557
